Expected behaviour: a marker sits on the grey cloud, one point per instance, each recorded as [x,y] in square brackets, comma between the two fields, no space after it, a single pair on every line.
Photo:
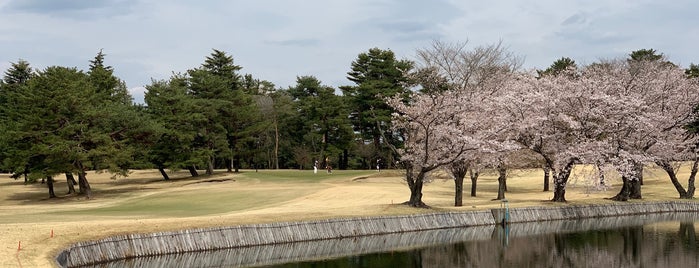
[296,42]
[405,26]
[410,30]
[411,20]
[427,36]
[575,19]
[438,11]
[588,36]
[71,8]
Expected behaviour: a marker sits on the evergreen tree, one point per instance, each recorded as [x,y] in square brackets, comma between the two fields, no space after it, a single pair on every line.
[216,87]
[65,121]
[692,71]
[19,73]
[558,67]
[322,125]
[377,75]
[53,129]
[14,81]
[107,85]
[645,55]
[177,120]
[277,111]
[117,115]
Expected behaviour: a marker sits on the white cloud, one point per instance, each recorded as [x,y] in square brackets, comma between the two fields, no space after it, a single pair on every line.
[138,94]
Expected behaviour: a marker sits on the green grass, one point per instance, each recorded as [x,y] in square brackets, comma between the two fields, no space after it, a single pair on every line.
[196,202]
[303,175]
[189,203]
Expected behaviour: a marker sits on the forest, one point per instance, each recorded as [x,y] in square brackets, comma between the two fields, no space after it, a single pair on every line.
[455,108]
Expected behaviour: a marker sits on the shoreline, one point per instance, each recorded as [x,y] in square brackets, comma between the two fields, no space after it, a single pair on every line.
[202,239]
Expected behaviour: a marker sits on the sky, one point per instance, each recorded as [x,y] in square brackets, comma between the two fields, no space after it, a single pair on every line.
[280,40]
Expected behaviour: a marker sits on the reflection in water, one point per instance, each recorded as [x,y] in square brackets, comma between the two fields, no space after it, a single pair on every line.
[633,241]
[631,246]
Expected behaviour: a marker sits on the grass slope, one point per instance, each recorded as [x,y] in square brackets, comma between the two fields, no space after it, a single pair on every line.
[144,203]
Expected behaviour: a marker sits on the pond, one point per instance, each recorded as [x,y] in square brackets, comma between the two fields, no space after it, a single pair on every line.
[651,240]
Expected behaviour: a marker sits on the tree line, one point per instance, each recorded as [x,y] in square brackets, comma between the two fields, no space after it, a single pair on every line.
[455,108]
[65,121]
[616,115]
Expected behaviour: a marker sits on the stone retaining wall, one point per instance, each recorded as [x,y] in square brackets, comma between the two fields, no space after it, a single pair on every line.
[141,245]
[596,211]
[276,254]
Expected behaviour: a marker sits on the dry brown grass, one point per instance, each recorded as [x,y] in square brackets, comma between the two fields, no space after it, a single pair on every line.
[143,203]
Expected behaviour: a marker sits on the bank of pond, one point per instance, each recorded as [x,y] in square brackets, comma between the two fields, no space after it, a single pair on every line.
[611,234]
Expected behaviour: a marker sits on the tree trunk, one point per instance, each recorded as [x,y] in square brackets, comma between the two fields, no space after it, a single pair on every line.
[416,193]
[70,181]
[692,177]
[600,171]
[458,170]
[502,179]
[163,173]
[459,195]
[559,192]
[415,183]
[635,189]
[667,167]
[236,164]
[276,145]
[625,191]
[193,171]
[84,185]
[229,165]
[345,152]
[340,160]
[547,172]
[474,180]
[82,181]
[636,181]
[210,166]
[49,183]
[560,179]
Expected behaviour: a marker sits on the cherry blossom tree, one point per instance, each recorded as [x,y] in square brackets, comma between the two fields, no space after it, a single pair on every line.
[646,105]
[473,77]
[621,119]
[673,101]
[433,137]
[457,67]
[614,114]
[556,117]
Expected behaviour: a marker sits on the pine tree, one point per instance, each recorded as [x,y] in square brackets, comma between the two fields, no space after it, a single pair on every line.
[107,85]
[18,73]
[377,75]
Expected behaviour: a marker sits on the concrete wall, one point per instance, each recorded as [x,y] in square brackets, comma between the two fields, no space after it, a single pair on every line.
[141,245]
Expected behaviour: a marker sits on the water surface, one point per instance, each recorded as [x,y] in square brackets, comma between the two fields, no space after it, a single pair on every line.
[652,240]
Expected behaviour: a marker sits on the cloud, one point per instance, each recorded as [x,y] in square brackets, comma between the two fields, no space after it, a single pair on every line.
[138,94]
[409,21]
[75,9]
[576,19]
[308,42]
[277,40]
[410,30]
